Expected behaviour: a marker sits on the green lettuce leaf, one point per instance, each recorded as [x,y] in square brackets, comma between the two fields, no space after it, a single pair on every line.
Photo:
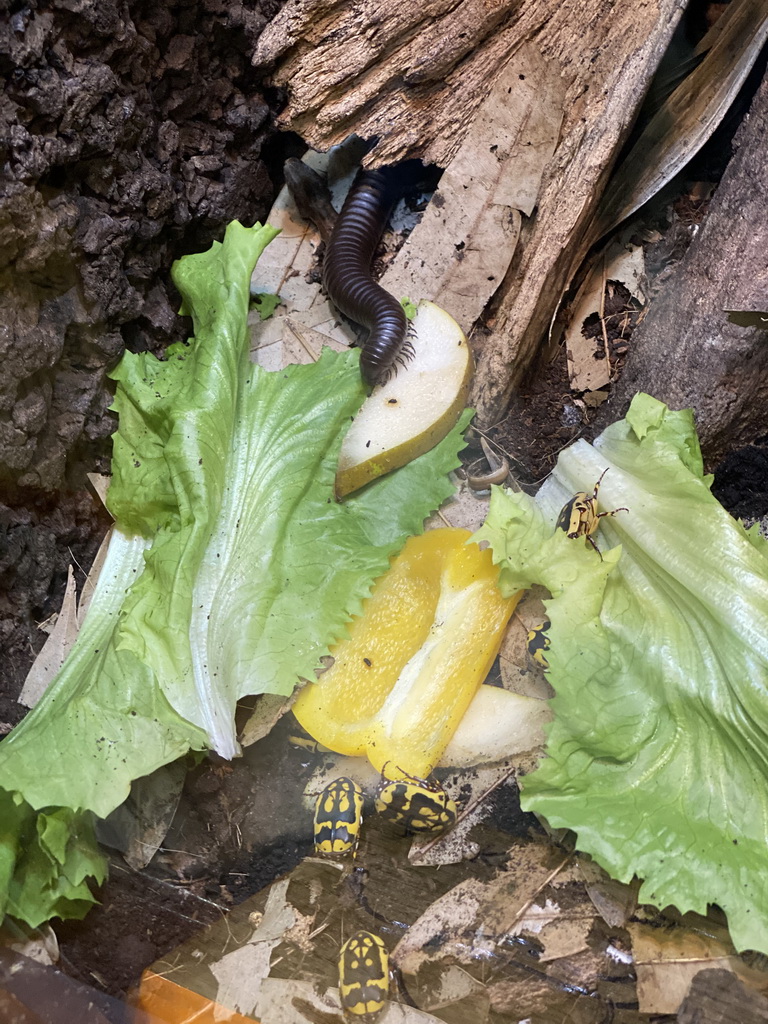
[254,569]
[231,570]
[658,754]
[265,304]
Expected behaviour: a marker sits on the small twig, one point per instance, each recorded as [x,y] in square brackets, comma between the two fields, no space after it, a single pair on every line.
[602,321]
[528,903]
[300,339]
[469,809]
[170,849]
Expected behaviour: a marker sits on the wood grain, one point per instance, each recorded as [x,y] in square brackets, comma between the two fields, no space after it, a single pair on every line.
[414,76]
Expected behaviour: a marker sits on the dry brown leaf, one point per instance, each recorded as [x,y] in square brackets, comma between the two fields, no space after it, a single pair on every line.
[667,961]
[140,824]
[39,944]
[594,399]
[55,649]
[100,483]
[284,269]
[519,672]
[467,921]
[456,986]
[63,628]
[241,972]
[450,924]
[719,997]
[616,262]
[565,936]
[290,1001]
[531,611]
[89,584]
[459,253]
[465,510]
[302,932]
[614,901]
[270,708]
[303,344]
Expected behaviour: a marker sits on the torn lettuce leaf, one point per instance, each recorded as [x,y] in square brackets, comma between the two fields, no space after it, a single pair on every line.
[658,754]
[231,570]
[101,723]
[254,568]
[265,304]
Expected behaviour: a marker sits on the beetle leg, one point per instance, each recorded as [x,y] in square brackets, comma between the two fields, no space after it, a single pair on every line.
[597,485]
[613,513]
[597,549]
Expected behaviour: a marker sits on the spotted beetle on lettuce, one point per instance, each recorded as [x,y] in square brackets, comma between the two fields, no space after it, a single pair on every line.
[579,516]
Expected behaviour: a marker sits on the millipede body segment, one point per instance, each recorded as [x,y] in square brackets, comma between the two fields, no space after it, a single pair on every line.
[347,272]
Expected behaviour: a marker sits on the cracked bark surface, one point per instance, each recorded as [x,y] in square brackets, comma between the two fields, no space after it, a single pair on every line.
[686,352]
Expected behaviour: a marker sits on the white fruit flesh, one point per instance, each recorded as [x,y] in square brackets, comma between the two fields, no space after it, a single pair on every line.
[497,725]
[415,409]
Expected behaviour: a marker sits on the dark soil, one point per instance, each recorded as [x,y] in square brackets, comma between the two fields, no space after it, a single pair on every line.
[139,919]
[131,133]
[741,481]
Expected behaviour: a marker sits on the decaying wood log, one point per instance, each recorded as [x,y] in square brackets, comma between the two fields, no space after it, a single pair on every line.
[687,352]
[414,76]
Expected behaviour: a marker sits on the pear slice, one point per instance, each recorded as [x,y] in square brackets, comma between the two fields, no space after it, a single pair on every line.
[497,725]
[417,406]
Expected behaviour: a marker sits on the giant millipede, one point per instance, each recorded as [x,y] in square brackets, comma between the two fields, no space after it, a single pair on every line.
[347,271]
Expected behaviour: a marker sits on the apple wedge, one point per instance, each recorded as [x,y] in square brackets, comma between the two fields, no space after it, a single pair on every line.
[415,408]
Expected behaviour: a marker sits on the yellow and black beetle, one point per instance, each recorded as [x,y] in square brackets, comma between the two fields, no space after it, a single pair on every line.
[538,643]
[579,516]
[418,805]
[338,815]
[364,976]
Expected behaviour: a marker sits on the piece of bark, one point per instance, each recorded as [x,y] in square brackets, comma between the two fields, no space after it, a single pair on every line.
[410,75]
[690,116]
[686,352]
[415,77]
[719,997]
[460,251]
